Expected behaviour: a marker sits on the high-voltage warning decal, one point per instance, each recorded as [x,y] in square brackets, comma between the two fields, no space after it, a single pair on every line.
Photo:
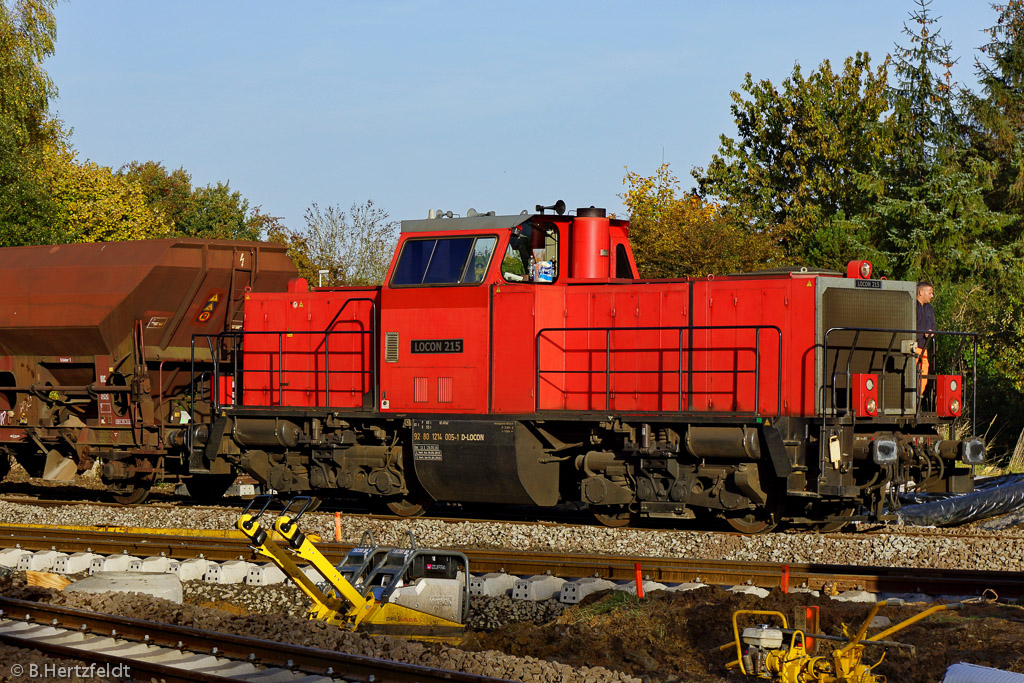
[210,306]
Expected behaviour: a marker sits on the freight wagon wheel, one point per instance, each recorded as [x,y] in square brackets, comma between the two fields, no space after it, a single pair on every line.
[132,495]
[758,522]
[612,515]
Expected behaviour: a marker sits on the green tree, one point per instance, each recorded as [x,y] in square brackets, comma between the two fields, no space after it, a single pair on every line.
[27,211]
[94,204]
[839,165]
[211,212]
[216,212]
[997,113]
[27,33]
[995,150]
[166,191]
[28,30]
[355,247]
[929,217]
[298,250]
[802,153]
[676,234]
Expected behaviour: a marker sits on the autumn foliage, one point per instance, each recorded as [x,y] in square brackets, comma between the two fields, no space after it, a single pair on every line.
[677,234]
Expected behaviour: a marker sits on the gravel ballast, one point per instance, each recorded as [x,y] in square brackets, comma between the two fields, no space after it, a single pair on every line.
[978,548]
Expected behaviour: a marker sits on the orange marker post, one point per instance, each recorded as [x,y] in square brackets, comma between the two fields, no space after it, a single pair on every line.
[639,581]
[784,582]
[813,616]
[337,527]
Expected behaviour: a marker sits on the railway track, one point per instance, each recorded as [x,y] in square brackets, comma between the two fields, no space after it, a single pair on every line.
[452,516]
[138,648]
[231,545]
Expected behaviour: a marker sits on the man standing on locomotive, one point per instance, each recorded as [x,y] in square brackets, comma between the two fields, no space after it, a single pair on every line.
[925,329]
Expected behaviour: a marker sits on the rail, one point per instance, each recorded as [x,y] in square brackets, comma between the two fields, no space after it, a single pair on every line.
[679,372]
[169,652]
[889,355]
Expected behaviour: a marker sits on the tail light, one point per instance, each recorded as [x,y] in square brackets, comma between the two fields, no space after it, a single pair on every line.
[864,394]
[949,395]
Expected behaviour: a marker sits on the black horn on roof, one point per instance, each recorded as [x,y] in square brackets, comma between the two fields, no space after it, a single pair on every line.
[558,207]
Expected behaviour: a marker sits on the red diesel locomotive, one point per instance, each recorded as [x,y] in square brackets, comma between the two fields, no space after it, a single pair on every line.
[519,360]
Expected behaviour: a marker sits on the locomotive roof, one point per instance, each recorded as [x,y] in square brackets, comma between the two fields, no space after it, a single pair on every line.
[468,223]
[787,270]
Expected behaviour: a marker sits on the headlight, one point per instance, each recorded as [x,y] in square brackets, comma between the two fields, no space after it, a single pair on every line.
[870,406]
[865,269]
[954,406]
[869,384]
[886,452]
[952,385]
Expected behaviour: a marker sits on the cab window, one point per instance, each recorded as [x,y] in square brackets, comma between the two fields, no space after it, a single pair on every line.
[443,261]
[623,271]
[532,257]
[480,258]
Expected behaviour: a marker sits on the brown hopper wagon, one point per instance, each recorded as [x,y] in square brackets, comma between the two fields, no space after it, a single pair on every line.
[96,352]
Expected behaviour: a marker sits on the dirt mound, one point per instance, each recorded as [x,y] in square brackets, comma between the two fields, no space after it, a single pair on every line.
[669,637]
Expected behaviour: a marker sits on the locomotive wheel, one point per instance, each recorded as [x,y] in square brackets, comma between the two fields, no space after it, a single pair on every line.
[131,495]
[405,507]
[206,488]
[613,516]
[759,522]
[413,504]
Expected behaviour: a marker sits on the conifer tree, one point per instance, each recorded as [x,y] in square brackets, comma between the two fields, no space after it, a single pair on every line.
[998,111]
[995,152]
[930,218]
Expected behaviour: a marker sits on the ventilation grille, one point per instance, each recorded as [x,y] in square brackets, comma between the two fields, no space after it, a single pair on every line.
[390,347]
[872,352]
[444,389]
[419,389]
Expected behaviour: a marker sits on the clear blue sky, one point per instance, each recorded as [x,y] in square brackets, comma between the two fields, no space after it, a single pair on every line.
[423,104]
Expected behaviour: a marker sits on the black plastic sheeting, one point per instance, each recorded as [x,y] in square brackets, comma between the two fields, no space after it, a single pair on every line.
[991,497]
[962,672]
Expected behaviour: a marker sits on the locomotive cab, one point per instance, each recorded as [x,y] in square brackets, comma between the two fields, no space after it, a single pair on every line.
[593,246]
[443,317]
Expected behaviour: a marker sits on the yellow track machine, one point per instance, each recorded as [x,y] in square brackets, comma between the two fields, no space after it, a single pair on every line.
[410,592]
[781,654]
